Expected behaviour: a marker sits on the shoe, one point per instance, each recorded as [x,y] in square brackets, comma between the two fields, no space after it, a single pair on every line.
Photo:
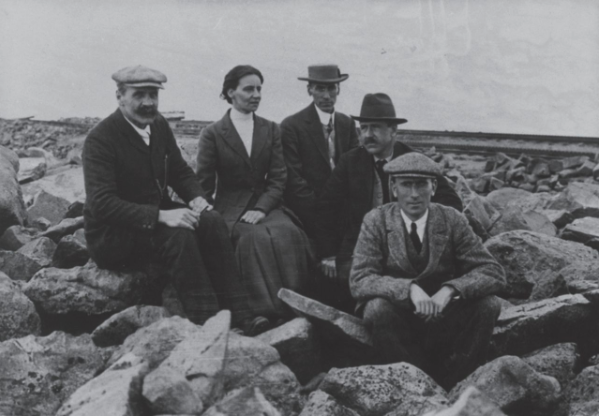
[256,326]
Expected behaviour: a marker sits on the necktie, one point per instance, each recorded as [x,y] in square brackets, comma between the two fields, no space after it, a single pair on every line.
[331,142]
[415,239]
[384,179]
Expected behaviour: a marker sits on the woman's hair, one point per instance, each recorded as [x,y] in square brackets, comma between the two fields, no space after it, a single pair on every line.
[232,79]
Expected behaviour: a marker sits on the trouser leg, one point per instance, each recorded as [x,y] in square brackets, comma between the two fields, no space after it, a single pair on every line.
[396,333]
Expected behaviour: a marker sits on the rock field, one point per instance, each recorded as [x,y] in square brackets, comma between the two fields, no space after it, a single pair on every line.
[79,341]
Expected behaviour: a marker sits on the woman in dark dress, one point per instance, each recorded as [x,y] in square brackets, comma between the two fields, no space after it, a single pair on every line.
[240,164]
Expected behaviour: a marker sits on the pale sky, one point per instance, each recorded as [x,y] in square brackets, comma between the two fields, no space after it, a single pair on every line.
[521,66]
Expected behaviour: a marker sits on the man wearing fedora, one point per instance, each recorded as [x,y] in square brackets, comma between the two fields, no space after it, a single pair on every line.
[130,159]
[357,185]
[313,141]
[423,280]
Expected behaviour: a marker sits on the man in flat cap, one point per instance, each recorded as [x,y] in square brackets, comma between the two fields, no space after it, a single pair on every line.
[423,280]
[130,159]
[313,141]
[357,185]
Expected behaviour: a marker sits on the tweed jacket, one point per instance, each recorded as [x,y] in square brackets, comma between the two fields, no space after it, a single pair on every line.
[307,156]
[457,257]
[125,184]
[235,181]
[348,196]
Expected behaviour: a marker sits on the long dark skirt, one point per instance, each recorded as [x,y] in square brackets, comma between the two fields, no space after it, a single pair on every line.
[272,254]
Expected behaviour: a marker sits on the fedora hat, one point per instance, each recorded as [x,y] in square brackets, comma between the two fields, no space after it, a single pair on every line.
[378,107]
[324,74]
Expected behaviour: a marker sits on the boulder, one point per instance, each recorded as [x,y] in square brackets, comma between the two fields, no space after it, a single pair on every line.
[119,326]
[12,206]
[81,298]
[557,361]
[323,404]
[525,328]
[514,386]
[559,217]
[581,276]
[155,342]
[195,366]
[252,363]
[515,219]
[115,392]
[63,228]
[40,223]
[40,250]
[528,259]
[66,183]
[52,208]
[345,339]
[394,389]
[18,266]
[298,346]
[40,373]
[472,402]
[31,169]
[70,252]
[16,236]
[582,230]
[579,199]
[248,401]
[18,317]
[501,198]
[584,400]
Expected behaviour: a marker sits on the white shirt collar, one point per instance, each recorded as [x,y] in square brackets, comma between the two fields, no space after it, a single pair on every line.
[324,117]
[144,133]
[388,159]
[238,115]
[420,223]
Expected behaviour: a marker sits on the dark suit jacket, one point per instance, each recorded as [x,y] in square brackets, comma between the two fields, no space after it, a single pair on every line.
[381,267]
[306,154]
[347,197]
[125,183]
[244,181]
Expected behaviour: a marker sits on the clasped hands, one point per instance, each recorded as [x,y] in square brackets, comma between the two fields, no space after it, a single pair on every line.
[185,217]
[430,308]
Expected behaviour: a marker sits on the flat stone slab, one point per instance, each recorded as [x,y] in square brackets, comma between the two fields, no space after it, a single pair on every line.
[582,230]
[119,326]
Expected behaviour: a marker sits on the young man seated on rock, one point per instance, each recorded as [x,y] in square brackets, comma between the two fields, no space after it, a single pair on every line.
[129,160]
[423,280]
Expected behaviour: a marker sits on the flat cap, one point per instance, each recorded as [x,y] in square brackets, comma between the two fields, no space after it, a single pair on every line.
[139,76]
[413,165]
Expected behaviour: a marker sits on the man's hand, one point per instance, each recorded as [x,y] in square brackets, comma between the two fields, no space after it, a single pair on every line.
[182,218]
[443,297]
[199,204]
[328,267]
[425,307]
[252,217]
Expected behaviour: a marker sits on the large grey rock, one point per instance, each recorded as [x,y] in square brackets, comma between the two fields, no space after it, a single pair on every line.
[581,276]
[194,370]
[248,401]
[514,386]
[510,198]
[582,230]
[155,342]
[345,339]
[115,392]
[40,250]
[525,328]
[66,183]
[40,373]
[516,219]
[63,228]
[394,389]
[529,260]
[31,169]
[12,206]
[52,208]
[472,402]
[298,346]
[252,363]
[579,199]
[584,396]
[323,404]
[119,326]
[557,361]
[18,317]
[70,252]
[17,265]
[16,236]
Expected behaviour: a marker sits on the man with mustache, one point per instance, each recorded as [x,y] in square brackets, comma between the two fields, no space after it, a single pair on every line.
[357,185]
[313,141]
[130,160]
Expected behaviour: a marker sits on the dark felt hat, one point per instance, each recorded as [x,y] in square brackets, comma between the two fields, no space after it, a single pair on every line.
[324,74]
[139,76]
[378,107]
[413,165]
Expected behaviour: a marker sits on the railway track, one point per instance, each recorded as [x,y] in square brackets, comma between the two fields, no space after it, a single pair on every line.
[546,146]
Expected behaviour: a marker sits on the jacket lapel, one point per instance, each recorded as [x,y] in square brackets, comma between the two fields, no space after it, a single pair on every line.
[437,234]
[159,156]
[232,138]
[316,134]
[259,137]
[396,237]
[131,135]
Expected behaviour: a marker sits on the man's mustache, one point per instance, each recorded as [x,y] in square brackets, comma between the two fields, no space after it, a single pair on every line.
[147,111]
